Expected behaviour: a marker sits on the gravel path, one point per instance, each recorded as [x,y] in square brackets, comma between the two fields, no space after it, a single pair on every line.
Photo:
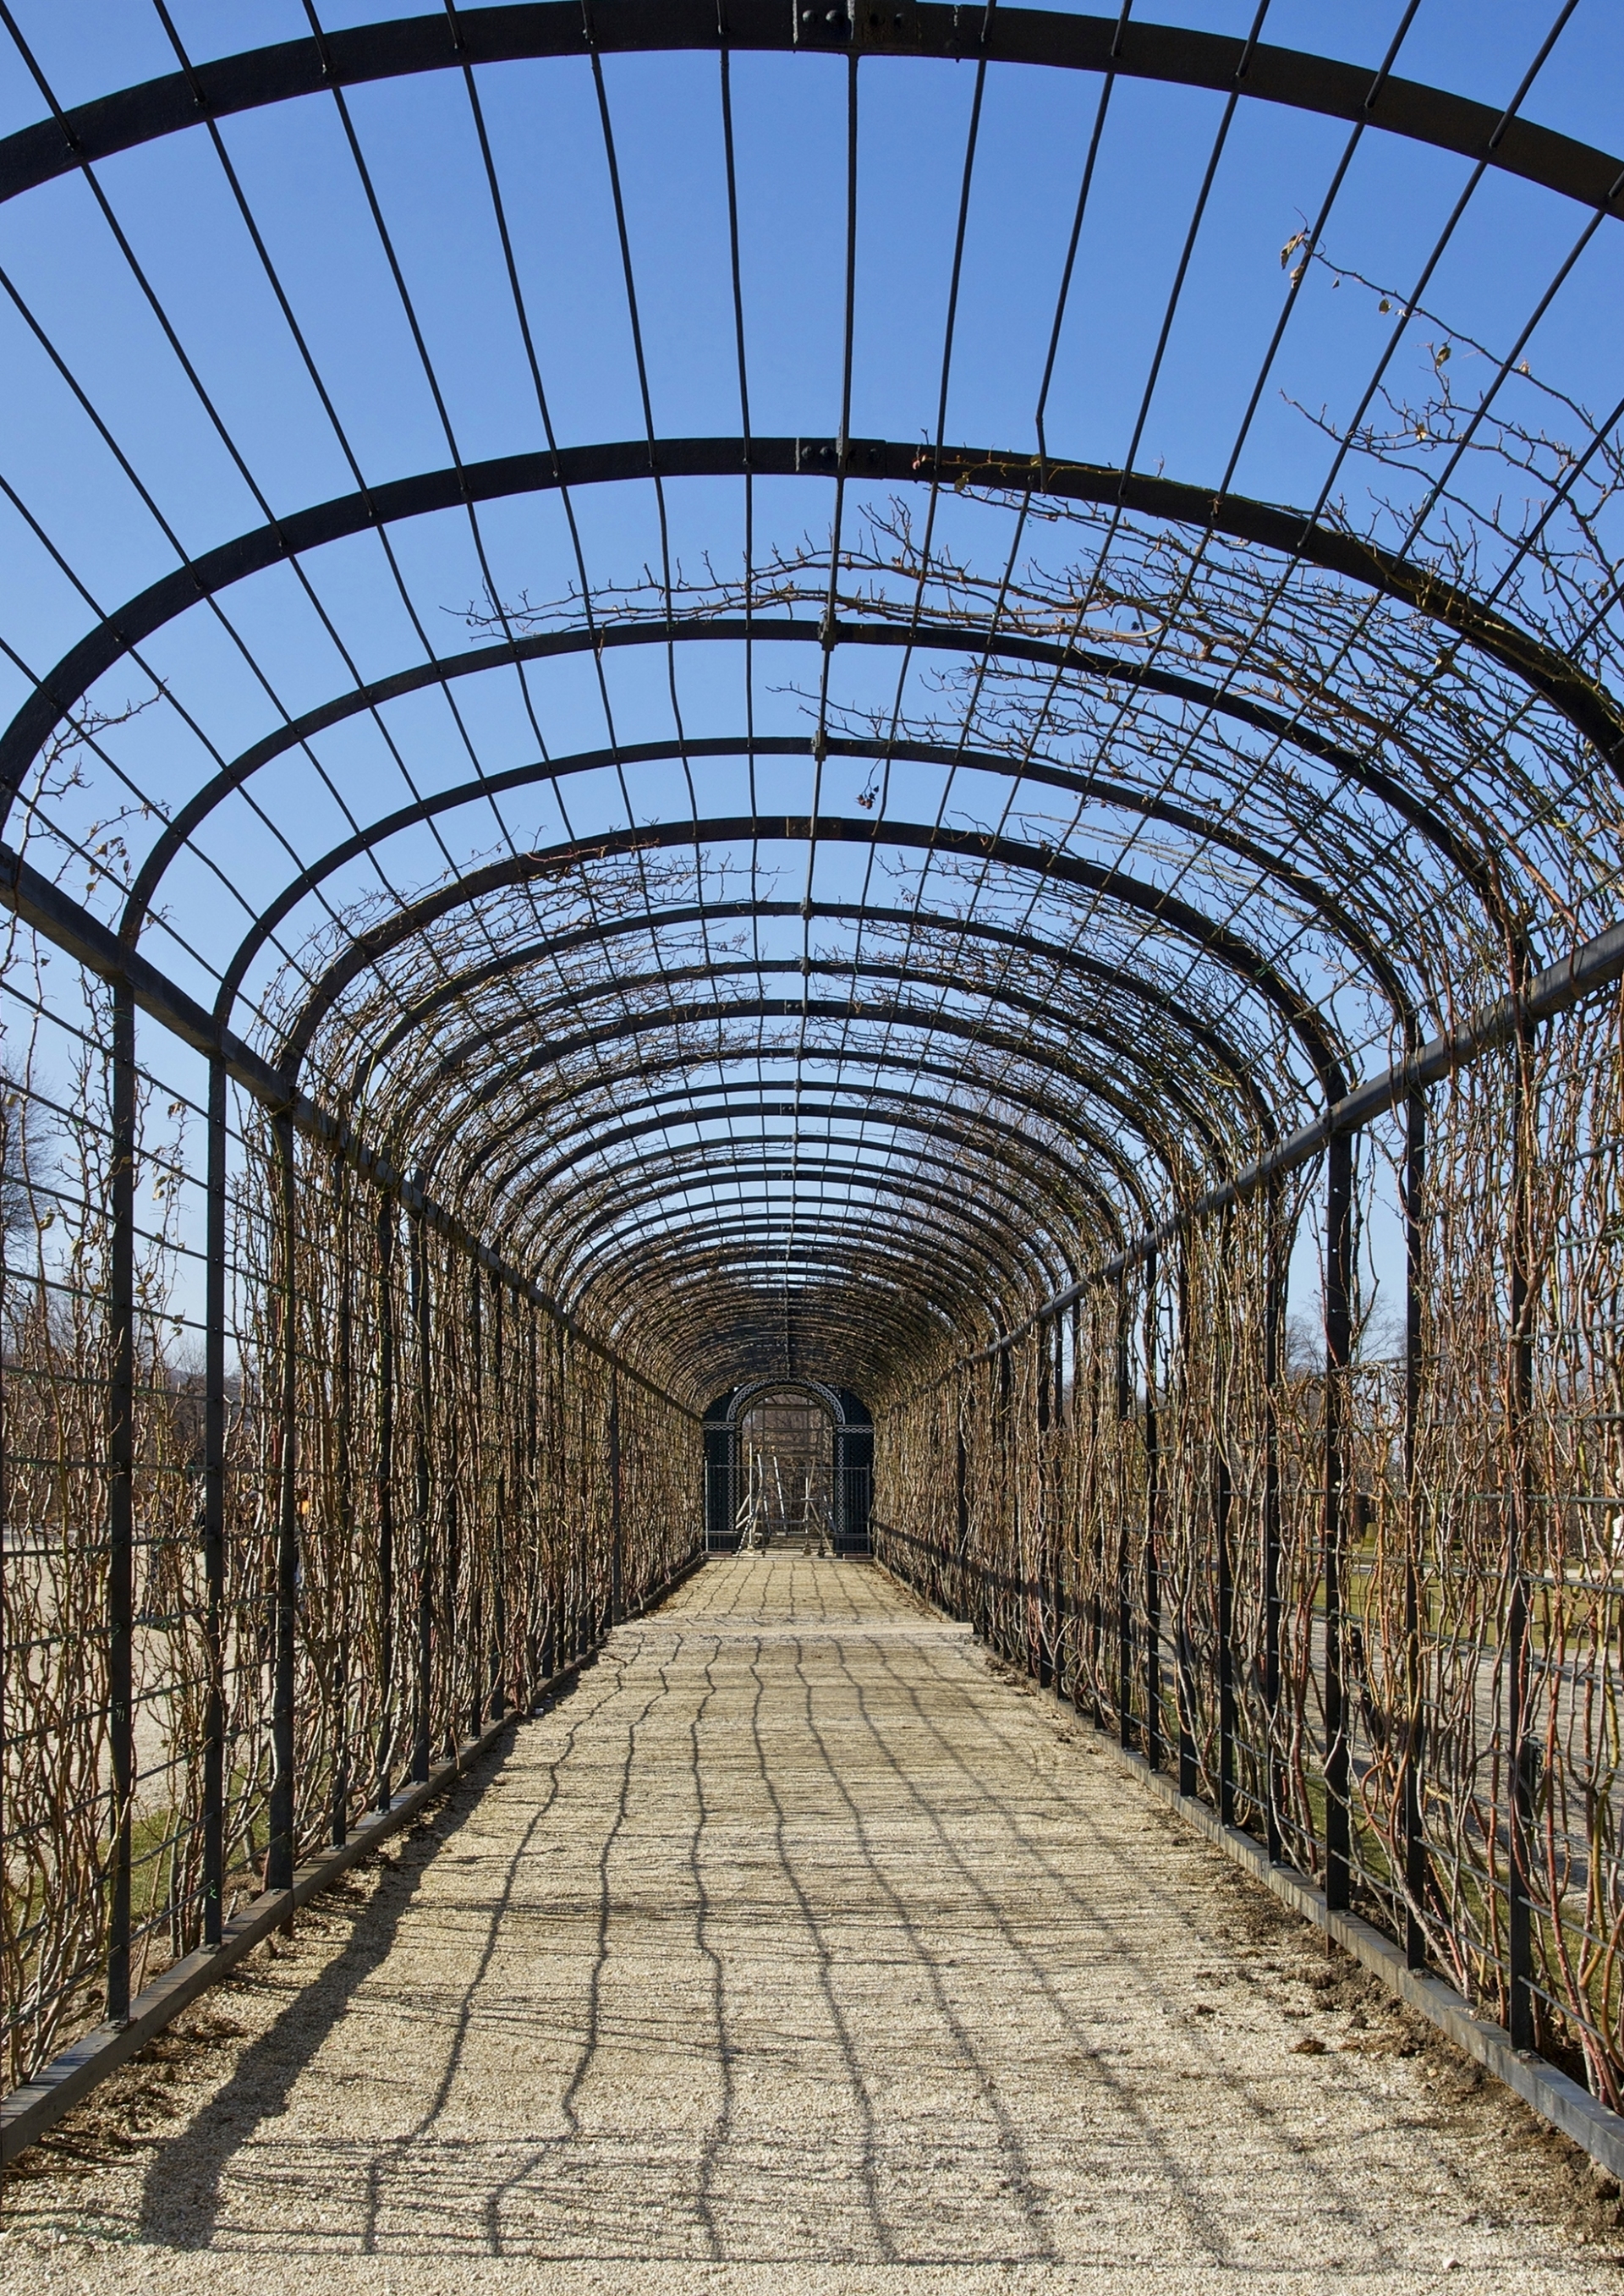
[801,1949]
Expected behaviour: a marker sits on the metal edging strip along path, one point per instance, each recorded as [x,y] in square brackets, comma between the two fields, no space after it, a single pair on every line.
[1550,2092]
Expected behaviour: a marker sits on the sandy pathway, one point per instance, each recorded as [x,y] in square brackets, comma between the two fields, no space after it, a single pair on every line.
[799,1949]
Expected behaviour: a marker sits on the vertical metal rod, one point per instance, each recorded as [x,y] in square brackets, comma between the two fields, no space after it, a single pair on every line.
[424,1686]
[121,1501]
[1007,1636]
[1222,1509]
[1097,1403]
[338,1689]
[1152,1526]
[1077,1511]
[1037,1589]
[1184,1624]
[542,1643]
[498,1621]
[279,1854]
[616,1560]
[214,1512]
[1521,1748]
[1339,1290]
[961,1498]
[570,1594]
[477,1508]
[383,1765]
[1273,1316]
[1222,1496]
[1057,1515]
[1125,1615]
[1417,1881]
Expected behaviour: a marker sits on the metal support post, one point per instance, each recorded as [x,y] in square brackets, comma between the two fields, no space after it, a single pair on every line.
[1153,1509]
[961,1498]
[1222,1505]
[497,1702]
[214,1512]
[1125,1614]
[338,1688]
[383,1765]
[423,1684]
[616,1560]
[279,1853]
[1222,1495]
[1097,1405]
[1339,1290]
[1273,1317]
[1184,1639]
[1417,1880]
[542,1644]
[120,1502]
[477,1509]
[1521,1748]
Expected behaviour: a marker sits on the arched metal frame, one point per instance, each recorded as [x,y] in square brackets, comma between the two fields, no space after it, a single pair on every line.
[478,37]
[1173,1063]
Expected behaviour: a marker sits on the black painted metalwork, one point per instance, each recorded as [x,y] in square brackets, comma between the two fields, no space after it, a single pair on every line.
[1271,862]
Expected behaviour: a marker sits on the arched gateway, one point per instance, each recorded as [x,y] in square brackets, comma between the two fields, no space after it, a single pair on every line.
[790,1457]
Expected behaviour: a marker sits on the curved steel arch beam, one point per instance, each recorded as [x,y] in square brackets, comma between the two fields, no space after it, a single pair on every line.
[771,1156]
[765,629]
[708,1254]
[1165,909]
[1131,1111]
[1144,806]
[1040,1055]
[1006,1248]
[972,1284]
[1592,712]
[725,1354]
[901,1319]
[1158,1147]
[910,1113]
[925,976]
[754,1389]
[1064,959]
[1064,1120]
[397,48]
[701,1310]
[983,1121]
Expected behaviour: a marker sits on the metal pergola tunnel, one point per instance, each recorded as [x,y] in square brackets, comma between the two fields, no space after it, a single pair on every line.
[893,731]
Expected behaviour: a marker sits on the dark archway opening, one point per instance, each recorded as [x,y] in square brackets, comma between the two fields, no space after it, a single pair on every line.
[788,1462]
